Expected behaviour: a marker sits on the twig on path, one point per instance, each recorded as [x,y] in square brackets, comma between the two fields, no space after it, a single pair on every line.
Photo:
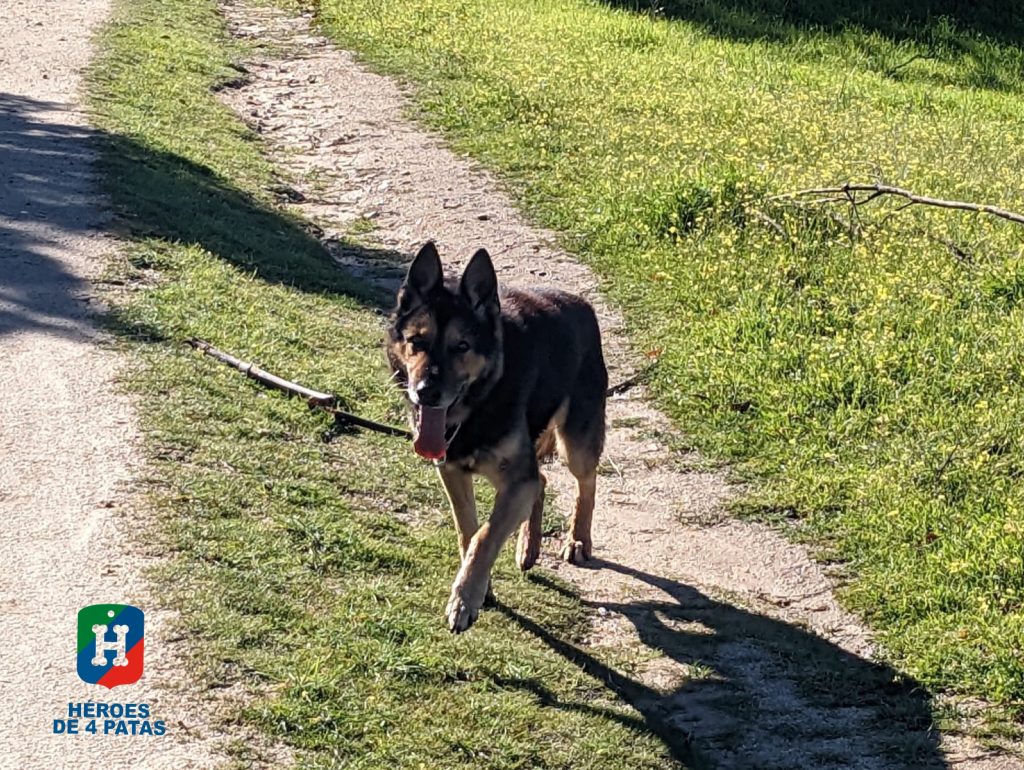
[849,193]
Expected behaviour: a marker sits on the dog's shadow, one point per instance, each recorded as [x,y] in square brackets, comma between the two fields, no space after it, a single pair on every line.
[731,688]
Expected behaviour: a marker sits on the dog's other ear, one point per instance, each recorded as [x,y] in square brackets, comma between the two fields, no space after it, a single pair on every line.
[424,274]
[479,283]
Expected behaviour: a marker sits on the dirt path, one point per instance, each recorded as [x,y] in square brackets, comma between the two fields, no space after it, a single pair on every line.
[66,435]
[743,656]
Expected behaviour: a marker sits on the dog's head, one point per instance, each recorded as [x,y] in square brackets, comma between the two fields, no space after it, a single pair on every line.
[444,338]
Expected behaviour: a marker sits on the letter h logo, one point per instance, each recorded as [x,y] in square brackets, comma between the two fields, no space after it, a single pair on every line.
[119,645]
[110,628]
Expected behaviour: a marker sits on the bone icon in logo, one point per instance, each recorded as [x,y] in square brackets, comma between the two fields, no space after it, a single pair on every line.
[118,645]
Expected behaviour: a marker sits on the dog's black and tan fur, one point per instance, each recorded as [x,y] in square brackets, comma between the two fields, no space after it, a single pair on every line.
[518,373]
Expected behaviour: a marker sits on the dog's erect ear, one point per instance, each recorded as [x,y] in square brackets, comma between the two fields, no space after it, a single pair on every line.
[479,283]
[425,272]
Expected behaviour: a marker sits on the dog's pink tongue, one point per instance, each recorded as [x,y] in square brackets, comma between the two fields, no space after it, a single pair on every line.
[430,426]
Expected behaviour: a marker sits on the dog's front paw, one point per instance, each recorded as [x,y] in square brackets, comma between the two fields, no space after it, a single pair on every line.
[577,551]
[460,613]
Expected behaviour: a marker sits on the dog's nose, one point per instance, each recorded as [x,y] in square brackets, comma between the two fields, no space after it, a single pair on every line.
[428,393]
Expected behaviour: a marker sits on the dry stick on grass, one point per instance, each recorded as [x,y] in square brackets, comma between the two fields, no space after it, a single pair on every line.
[314,398]
[875,190]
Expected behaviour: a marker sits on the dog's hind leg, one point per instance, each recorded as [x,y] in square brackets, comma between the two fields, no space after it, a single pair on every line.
[527,548]
[581,440]
[528,544]
[579,546]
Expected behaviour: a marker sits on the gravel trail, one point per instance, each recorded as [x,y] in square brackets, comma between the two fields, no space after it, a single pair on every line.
[67,436]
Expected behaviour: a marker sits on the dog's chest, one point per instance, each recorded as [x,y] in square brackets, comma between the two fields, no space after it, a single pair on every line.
[499,459]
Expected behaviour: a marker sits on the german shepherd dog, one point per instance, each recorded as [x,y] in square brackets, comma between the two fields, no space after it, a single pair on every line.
[495,380]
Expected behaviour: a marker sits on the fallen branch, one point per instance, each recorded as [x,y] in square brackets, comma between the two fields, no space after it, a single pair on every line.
[850,227]
[345,420]
[250,370]
[314,398]
[876,190]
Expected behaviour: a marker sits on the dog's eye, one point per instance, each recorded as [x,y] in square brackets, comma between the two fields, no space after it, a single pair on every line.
[418,344]
[461,347]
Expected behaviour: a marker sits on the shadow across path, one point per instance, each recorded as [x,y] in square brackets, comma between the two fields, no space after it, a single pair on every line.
[45,212]
[743,690]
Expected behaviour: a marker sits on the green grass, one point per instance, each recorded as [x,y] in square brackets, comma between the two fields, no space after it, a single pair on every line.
[870,376]
[314,573]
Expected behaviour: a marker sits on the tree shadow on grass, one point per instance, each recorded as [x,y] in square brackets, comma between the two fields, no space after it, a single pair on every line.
[48,206]
[897,19]
[742,690]
[162,195]
[981,38]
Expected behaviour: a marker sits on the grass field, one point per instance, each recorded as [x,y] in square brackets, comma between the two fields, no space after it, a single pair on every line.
[295,563]
[866,366]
